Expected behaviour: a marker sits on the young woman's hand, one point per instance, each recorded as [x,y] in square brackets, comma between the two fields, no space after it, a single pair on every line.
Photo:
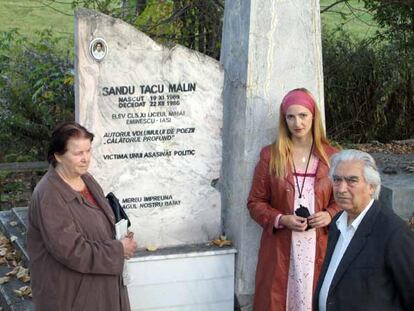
[319,219]
[293,222]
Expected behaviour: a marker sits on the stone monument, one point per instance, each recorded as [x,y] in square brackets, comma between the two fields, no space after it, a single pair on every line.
[156,113]
[269,47]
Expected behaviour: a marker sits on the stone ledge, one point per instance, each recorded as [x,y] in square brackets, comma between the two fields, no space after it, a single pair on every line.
[16,233]
[397,192]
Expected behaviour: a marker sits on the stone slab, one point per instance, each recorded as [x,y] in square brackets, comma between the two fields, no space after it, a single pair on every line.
[9,301]
[16,232]
[22,216]
[156,113]
[8,298]
[193,277]
[397,192]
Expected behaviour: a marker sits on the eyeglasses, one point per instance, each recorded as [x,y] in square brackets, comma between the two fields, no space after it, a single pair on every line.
[351,181]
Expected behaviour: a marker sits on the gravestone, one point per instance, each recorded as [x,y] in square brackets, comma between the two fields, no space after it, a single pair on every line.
[156,113]
[269,47]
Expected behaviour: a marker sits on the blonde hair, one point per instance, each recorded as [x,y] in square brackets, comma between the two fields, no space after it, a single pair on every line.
[281,149]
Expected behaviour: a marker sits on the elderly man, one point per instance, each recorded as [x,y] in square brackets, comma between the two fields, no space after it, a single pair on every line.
[369,263]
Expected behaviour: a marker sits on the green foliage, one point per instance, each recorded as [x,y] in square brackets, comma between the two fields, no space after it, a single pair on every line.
[396,19]
[348,15]
[196,24]
[36,91]
[368,90]
[109,7]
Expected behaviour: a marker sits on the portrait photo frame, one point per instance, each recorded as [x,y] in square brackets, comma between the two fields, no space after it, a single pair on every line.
[98,49]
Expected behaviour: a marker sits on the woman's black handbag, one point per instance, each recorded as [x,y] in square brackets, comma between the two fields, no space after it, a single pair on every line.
[117,208]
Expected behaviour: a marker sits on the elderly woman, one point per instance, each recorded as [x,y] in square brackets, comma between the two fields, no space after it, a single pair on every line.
[75,261]
[291,198]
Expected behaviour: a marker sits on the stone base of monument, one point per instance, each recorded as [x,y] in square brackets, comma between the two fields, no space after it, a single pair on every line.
[398,192]
[191,277]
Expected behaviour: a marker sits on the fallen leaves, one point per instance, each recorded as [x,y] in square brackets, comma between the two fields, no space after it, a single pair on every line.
[151,248]
[396,147]
[10,257]
[392,158]
[23,291]
[4,279]
[222,241]
[20,273]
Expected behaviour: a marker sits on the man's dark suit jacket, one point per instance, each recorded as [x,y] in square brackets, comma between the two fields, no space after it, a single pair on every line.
[376,271]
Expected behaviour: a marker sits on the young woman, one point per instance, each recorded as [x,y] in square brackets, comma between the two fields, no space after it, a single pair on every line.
[290,183]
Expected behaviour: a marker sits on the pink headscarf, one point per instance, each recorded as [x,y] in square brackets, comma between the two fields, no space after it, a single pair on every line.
[297,97]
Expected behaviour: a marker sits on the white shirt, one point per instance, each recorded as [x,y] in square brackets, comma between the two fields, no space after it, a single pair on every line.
[345,237]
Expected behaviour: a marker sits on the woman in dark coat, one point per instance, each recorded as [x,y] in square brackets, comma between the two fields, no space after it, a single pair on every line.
[75,261]
[292,176]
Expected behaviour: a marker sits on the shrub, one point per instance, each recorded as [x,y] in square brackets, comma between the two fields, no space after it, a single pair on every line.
[36,92]
[368,90]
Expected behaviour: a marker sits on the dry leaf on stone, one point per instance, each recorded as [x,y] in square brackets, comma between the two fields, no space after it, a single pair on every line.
[221,243]
[3,240]
[4,279]
[13,256]
[151,248]
[23,274]
[23,291]
[13,272]
[3,251]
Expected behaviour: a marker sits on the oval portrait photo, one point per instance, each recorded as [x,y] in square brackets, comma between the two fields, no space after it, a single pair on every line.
[98,49]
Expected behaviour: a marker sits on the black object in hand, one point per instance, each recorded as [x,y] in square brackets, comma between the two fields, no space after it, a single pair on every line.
[119,212]
[303,211]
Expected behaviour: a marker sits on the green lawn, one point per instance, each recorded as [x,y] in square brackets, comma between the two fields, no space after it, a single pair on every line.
[29,16]
[355,20]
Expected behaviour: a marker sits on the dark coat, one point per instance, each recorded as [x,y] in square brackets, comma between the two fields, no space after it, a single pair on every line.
[269,197]
[377,269]
[75,262]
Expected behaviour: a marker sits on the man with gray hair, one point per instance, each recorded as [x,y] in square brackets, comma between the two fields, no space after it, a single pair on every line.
[369,263]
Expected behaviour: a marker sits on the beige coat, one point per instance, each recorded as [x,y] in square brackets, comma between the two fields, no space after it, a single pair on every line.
[75,262]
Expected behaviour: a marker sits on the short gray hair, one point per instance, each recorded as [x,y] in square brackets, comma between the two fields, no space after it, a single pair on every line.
[371,174]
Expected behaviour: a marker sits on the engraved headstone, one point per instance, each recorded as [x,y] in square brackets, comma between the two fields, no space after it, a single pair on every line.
[156,113]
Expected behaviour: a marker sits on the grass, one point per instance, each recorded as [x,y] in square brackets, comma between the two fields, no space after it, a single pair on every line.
[353,19]
[30,16]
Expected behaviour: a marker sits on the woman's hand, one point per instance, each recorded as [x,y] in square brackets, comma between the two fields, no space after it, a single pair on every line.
[319,219]
[130,246]
[293,222]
